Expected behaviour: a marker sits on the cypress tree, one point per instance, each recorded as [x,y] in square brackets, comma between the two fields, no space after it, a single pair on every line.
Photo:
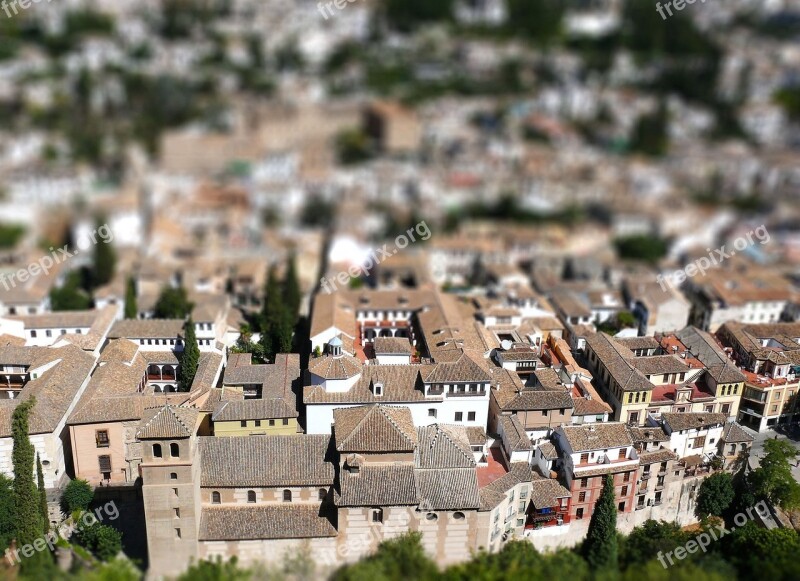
[291,289]
[131,307]
[271,316]
[190,357]
[600,546]
[105,260]
[42,496]
[27,515]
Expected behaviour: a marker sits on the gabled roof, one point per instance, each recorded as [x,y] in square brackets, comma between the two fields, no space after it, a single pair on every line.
[167,422]
[690,421]
[463,369]
[443,446]
[375,428]
[239,523]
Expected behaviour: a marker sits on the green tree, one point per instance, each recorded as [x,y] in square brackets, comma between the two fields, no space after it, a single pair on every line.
[292,294]
[715,495]
[277,321]
[773,479]
[70,296]
[77,495]
[600,546]
[173,303]
[7,527]
[647,540]
[352,147]
[651,133]
[105,258]
[540,21]
[131,307]
[103,541]
[645,248]
[42,496]
[400,558]
[27,517]
[217,570]
[190,358]
[406,15]
[759,553]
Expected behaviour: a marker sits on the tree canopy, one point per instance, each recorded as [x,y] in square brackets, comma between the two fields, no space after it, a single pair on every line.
[715,495]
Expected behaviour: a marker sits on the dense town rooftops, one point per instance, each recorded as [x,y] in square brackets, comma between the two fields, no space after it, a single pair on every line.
[335,367]
[391,346]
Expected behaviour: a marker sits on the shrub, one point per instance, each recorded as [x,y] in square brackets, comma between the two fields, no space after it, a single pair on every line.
[77,495]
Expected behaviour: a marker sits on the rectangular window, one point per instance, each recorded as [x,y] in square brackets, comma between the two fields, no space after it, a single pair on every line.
[584,482]
[579,514]
[624,491]
[258,423]
[471,416]
[272,423]
[243,423]
[285,421]
[431,413]
[105,463]
[177,533]
[101,437]
[585,458]
[177,513]
[622,454]
[621,507]
[582,497]
[459,416]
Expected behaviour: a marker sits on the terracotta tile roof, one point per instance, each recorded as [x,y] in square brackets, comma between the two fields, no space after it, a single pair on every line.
[619,360]
[392,346]
[447,488]
[648,434]
[733,432]
[401,384]
[167,422]
[147,328]
[297,460]
[379,485]
[476,435]
[375,428]
[252,409]
[464,369]
[657,456]
[590,407]
[55,389]
[443,446]
[597,436]
[660,365]
[548,451]
[330,367]
[218,523]
[689,421]
[518,440]
[547,493]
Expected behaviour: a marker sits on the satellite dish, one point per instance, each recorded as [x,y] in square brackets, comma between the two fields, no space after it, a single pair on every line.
[506,345]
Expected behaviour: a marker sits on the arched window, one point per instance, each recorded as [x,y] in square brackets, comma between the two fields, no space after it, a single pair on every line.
[156,450]
[458,515]
[215,497]
[287,495]
[173,475]
[322,493]
[174,450]
[251,496]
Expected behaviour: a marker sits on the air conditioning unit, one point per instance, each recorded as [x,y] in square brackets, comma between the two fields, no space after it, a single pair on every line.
[559,521]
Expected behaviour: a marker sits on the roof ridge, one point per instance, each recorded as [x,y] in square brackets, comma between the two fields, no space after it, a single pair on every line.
[391,421]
